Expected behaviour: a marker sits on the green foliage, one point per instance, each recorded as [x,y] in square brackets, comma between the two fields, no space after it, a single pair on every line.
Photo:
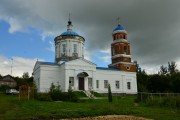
[25,75]
[72,96]
[3,88]
[167,80]
[43,97]
[55,92]
[172,67]
[12,108]
[33,92]
[171,101]
[96,94]
[109,93]
[163,70]
[80,94]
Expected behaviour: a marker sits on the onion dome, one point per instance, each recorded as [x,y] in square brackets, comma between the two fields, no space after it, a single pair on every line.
[118,29]
[69,33]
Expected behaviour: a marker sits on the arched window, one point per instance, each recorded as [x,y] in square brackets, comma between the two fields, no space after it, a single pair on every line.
[113,51]
[124,36]
[125,50]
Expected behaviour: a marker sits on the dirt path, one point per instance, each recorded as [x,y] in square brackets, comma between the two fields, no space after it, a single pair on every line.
[111,117]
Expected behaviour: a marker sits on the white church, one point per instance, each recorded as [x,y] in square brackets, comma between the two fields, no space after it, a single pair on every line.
[71,69]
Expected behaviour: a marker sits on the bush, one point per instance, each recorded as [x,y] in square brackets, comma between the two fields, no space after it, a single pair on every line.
[72,96]
[55,92]
[3,88]
[44,97]
[96,94]
[80,93]
[171,101]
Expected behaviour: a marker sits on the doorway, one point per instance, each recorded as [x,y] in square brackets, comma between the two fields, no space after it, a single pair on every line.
[81,83]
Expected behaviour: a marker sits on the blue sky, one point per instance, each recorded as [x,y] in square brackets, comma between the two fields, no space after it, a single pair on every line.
[28,29]
[30,44]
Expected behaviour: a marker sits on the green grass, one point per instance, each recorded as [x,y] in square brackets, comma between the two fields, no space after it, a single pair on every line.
[12,108]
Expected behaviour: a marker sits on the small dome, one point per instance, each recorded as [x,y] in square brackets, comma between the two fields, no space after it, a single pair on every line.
[70,33]
[119,27]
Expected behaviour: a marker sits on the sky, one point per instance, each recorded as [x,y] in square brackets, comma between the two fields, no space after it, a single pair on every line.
[28,29]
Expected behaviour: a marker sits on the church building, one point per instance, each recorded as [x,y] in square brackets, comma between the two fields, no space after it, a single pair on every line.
[71,69]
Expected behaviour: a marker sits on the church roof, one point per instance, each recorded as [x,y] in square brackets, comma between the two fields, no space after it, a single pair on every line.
[104,68]
[69,33]
[119,27]
[47,63]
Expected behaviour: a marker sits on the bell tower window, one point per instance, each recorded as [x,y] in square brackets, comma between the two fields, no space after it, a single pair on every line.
[125,50]
[124,36]
[113,51]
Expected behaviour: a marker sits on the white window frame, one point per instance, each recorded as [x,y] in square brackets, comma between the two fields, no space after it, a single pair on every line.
[90,83]
[117,83]
[75,48]
[64,48]
[105,83]
[97,83]
[128,85]
[71,81]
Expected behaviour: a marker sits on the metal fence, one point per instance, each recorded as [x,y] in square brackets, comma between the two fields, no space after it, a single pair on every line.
[143,96]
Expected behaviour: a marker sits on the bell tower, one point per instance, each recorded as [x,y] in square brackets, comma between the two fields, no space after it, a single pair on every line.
[120,51]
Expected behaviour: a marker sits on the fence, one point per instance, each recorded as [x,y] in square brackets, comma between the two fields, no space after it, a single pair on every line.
[143,96]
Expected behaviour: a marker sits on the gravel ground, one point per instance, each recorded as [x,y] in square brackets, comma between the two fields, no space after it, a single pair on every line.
[111,117]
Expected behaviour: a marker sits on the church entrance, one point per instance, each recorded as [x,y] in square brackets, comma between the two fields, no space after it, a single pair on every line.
[81,83]
[81,77]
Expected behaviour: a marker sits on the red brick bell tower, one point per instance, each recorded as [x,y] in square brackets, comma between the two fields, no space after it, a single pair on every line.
[120,51]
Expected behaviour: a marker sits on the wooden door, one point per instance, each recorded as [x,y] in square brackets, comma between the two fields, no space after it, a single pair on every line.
[81,83]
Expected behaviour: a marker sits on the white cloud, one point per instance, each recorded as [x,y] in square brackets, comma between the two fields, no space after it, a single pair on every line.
[15,25]
[106,59]
[19,65]
[51,48]
[108,51]
[87,54]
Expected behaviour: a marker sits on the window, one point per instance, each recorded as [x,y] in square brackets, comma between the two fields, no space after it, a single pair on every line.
[128,85]
[71,81]
[75,48]
[97,83]
[124,36]
[64,48]
[89,83]
[127,67]
[113,51]
[125,50]
[105,83]
[117,84]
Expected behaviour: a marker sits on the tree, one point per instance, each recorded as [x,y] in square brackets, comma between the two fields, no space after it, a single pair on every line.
[0,76]
[25,75]
[142,78]
[172,67]
[109,93]
[163,70]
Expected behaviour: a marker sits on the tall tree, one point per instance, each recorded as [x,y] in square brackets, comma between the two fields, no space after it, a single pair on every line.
[109,93]
[25,75]
[172,67]
[163,70]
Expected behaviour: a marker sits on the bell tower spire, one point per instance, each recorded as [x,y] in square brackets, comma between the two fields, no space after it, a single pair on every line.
[120,50]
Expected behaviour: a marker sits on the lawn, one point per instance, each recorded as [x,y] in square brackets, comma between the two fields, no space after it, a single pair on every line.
[12,108]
